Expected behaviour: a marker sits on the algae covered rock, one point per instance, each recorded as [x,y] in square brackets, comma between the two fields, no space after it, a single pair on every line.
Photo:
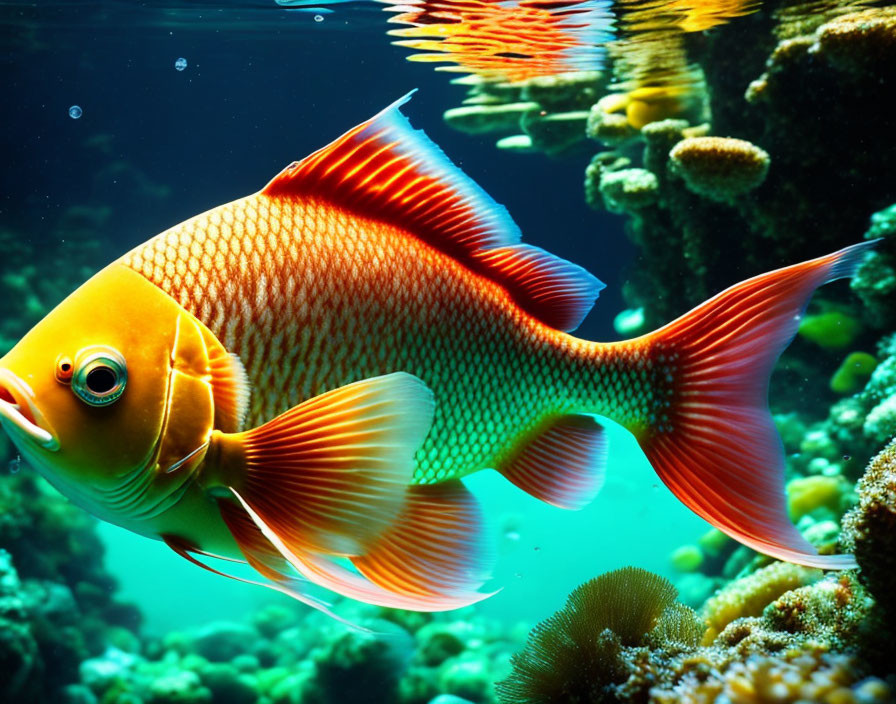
[869,530]
[719,168]
[627,190]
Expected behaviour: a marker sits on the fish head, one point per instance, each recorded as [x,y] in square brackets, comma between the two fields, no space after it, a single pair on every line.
[90,395]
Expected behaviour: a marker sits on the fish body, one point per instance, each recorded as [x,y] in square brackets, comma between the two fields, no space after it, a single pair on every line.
[301,379]
[312,297]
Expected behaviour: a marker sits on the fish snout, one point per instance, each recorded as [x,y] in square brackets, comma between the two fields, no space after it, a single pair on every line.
[19,414]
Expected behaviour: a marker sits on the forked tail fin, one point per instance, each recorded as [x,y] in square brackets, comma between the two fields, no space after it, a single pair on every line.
[717,448]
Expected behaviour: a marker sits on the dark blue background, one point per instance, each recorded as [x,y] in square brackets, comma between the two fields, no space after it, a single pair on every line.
[264,86]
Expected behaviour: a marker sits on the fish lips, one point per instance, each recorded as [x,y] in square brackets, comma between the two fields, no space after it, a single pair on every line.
[20,416]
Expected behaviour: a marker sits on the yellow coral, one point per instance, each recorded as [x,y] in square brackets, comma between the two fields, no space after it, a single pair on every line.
[751,594]
[807,674]
[859,40]
[806,494]
[719,167]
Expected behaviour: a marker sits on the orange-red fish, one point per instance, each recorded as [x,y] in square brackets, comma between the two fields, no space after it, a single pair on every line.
[301,379]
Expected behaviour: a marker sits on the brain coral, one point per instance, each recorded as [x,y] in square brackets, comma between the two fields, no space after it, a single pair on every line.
[719,168]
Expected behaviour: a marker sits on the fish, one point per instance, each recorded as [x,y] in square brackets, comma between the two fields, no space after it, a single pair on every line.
[301,379]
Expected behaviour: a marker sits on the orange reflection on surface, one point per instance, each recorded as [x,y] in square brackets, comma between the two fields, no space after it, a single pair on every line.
[505,41]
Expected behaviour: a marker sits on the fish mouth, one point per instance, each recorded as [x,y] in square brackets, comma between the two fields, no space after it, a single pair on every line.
[17,409]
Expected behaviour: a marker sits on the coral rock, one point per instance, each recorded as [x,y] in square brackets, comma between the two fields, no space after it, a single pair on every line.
[869,530]
[719,168]
[750,595]
[628,190]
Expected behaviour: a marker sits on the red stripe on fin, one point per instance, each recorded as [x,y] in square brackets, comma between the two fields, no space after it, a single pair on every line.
[385,169]
[436,547]
[330,474]
[718,449]
[563,463]
[324,571]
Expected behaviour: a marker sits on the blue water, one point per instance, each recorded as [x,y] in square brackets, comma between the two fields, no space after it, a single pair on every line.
[156,143]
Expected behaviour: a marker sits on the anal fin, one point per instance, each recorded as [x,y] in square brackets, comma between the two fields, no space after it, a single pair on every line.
[325,571]
[436,546]
[563,463]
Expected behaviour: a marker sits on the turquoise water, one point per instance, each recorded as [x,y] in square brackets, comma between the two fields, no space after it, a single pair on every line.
[543,552]
[123,119]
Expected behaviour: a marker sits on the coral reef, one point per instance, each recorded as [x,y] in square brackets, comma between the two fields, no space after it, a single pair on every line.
[785,643]
[795,676]
[56,603]
[286,657]
[583,653]
[749,596]
[870,530]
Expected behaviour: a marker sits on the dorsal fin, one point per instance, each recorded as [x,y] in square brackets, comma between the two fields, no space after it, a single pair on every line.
[387,170]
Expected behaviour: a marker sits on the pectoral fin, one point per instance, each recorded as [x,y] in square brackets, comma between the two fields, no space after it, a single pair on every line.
[330,479]
[331,474]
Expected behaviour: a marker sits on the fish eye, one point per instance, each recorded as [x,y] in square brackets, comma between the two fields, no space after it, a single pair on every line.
[64,369]
[100,376]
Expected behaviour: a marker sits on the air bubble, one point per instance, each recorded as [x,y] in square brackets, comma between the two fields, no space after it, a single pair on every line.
[75,112]
[318,18]
[15,465]
[180,64]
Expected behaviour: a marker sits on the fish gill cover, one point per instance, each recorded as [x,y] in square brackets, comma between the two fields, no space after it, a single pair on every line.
[725,140]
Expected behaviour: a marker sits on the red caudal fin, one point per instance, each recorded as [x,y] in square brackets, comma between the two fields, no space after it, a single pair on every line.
[715,446]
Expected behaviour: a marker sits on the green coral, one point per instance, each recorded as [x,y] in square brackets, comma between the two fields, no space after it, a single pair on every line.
[853,373]
[833,329]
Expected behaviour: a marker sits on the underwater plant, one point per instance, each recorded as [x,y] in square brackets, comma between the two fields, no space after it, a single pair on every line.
[582,654]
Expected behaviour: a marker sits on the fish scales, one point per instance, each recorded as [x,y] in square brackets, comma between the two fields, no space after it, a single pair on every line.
[312,297]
